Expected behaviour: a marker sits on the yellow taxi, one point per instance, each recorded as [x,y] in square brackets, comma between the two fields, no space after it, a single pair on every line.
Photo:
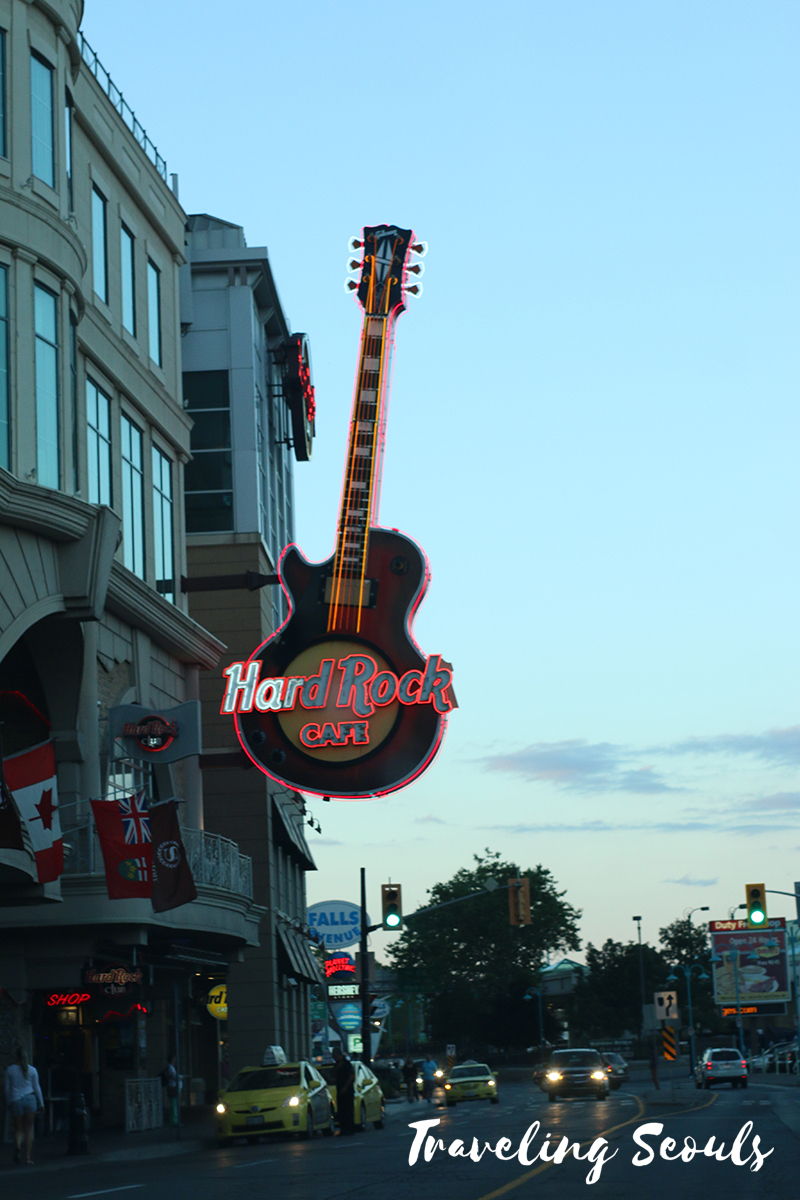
[368,1102]
[470,1081]
[278,1098]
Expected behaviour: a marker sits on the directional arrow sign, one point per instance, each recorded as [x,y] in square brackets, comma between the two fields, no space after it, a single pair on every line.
[666,1005]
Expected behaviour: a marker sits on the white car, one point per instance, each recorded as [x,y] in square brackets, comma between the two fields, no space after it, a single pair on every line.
[721,1066]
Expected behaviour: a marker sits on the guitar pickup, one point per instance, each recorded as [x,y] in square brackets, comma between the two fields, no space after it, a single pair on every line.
[348,592]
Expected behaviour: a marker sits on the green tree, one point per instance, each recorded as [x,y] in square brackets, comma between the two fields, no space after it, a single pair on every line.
[473,966]
[684,944]
[607,1002]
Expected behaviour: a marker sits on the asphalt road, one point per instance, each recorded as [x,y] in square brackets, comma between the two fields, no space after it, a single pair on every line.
[376,1164]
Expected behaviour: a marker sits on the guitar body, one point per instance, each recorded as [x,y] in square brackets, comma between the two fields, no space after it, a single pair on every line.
[407,735]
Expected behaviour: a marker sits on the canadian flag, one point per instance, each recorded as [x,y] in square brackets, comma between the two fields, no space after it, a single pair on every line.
[31,778]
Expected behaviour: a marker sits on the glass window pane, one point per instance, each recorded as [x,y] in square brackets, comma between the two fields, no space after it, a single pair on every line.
[209,472]
[42,121]
[3,147]
[98,445]
[132,498]
[154,311]
[46,366]
[5,447]
[206,389]
[128,282]
[212,430]
[209,512]
[100,270]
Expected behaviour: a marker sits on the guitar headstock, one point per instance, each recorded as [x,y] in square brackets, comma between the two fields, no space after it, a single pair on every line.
[383,281]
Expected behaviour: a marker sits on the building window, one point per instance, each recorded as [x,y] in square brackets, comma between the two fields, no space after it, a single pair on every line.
[208,478]
[3,135]
[132,498]
[162,518]
[154,310]
[99,245]
[73,397]
[5,428]
[128,281]
[68,148]
[42,149]
[98,444]
[45,321]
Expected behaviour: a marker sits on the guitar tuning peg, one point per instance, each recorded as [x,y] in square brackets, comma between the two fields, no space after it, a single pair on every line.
[354,265]
[417,268]
[420,248]
[354,243]
[350,285]
[415,289]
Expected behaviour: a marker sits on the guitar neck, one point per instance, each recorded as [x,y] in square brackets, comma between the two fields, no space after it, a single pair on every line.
[361,489]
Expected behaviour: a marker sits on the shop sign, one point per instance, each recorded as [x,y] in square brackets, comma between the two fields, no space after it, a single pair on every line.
[163,735]
[114,981]
[339,964]
[217,1003]
[336,923]
[755,958]
[340,701]
[67,999]
[348,1017]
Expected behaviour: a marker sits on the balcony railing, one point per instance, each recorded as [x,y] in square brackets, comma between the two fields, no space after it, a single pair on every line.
[121,105]
[215,861]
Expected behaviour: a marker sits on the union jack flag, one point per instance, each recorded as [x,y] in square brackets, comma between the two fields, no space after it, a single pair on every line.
[135,821]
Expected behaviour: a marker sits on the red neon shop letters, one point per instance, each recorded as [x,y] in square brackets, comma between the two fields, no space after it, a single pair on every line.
[359,688]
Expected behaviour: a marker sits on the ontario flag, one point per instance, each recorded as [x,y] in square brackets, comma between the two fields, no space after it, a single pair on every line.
[31,779]
[123,827]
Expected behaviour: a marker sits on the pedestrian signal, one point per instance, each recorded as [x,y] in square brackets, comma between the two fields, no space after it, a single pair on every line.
[756,896]
[391,906]
[519,901]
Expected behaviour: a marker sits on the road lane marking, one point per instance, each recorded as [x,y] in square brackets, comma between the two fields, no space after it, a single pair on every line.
[104,1191]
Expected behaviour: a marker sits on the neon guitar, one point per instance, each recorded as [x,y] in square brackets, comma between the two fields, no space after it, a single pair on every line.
[340,701]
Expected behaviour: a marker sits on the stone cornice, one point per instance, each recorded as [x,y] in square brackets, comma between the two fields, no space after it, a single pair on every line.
[42,510]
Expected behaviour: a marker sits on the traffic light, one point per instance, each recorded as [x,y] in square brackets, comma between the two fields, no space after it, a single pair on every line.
[392,906]
[519,901]
[756,896]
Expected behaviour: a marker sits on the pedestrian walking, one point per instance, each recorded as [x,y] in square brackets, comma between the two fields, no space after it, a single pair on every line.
[344,1077]
[24,1100]
[410,1079]
[169,1077]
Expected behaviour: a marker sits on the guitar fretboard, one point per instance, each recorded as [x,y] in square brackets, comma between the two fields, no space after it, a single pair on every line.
[348,591]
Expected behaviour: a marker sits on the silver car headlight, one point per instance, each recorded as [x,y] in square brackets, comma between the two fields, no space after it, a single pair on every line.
[291,1102]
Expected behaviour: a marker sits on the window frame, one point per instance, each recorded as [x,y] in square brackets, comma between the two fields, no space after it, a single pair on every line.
[95,437]
[100,243]
[41,340]
[163,518]
[50,179]
[5,392]
[130,260]
[133,546]
[3,106]
[154,336]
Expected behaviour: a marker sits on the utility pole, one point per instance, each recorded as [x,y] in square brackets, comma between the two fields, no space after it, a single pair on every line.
[638,921]
[366,1024]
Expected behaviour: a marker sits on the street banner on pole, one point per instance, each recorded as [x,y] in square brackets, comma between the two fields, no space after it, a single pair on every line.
[173,884]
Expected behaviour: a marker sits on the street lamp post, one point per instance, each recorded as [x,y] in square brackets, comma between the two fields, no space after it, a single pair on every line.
[687,975]
[638,921]
[687,912]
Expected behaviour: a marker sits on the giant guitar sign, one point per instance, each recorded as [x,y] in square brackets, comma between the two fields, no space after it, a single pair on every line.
[340,701]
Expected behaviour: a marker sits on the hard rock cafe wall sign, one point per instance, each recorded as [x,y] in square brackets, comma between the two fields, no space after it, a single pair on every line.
[341,701]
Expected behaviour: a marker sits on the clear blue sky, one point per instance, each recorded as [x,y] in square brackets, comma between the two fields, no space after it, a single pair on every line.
[594,423]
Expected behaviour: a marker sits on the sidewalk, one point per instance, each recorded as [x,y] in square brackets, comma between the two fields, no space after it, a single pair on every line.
[113,1145]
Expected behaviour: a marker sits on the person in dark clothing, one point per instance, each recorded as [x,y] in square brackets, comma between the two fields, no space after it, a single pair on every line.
[410,1079]
[344,1076]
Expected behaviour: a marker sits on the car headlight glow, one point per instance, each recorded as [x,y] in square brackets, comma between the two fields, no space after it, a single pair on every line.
[491,1083]
[291,1102]
[439,1073]
[221,1108]
[598,1075]
[553,1075]
[419,1079]
[447,1087]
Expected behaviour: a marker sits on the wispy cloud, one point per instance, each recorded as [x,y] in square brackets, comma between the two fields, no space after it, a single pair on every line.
[429,820]
[748,829]
[690,881]
[581,766]
[779,747]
